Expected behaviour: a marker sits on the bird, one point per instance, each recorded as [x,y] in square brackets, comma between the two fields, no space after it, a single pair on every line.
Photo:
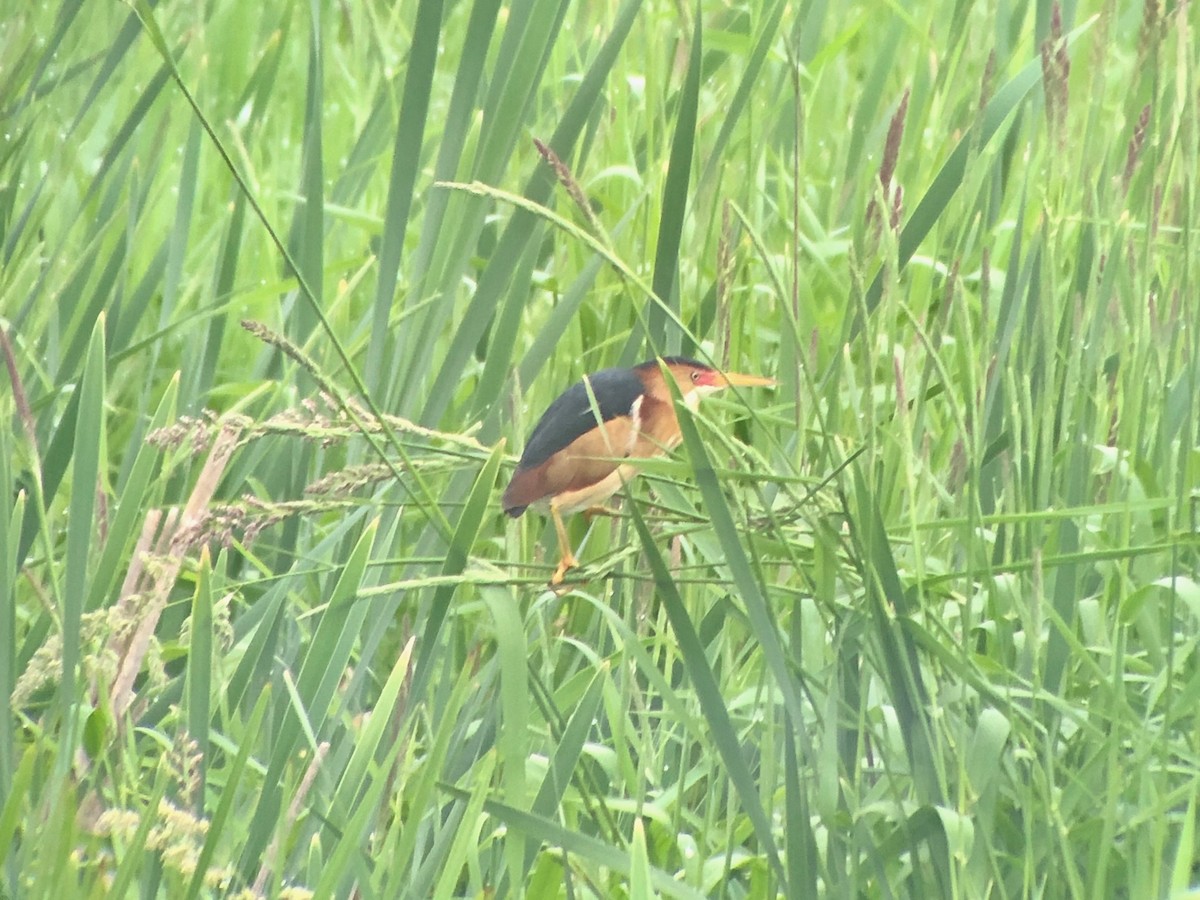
[574,458]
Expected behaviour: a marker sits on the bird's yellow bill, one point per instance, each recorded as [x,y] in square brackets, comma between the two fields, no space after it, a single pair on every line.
[738,380]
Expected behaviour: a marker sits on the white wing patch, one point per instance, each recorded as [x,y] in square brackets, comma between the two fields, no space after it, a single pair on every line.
[635,415]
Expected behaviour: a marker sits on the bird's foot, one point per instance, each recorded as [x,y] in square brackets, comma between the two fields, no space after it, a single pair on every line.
[593,511]
[565,565]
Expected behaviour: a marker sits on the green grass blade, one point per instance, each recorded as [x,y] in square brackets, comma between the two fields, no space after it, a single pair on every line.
[1181,870]
[12,512]
[416,485]
[903,674]
[708,693]
[133,861]
[564,314]
[200,665]
[465,535]
[464,846]
[420,796]
[229,794]
[640,876]
[529,35]
[203,357]
[749,589]
[513,746]
[871,97]
[324,663]
[520,230]
[406,163]
[357,770]
[87,466]
[308,227]
[116,51]
[674,203]
[132,502]
[800,846]
[18,797]
[582,845]
[564,760]
[763,43]
[806,30]
[456,130]
[176,241]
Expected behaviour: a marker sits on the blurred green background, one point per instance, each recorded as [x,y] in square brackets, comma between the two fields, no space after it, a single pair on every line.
[285,286]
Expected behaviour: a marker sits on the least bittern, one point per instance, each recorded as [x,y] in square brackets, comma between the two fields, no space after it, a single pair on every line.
[573,459]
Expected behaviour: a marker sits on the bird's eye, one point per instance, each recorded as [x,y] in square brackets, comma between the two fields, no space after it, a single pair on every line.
[695,375]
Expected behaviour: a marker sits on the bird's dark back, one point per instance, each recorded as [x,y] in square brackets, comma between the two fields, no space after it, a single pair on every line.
[572,414]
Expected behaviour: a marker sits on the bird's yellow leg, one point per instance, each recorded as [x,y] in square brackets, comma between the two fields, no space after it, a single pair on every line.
[567,560]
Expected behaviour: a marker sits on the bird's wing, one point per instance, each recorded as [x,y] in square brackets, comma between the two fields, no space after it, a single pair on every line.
[572,414]
[582,464]
[569,449]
